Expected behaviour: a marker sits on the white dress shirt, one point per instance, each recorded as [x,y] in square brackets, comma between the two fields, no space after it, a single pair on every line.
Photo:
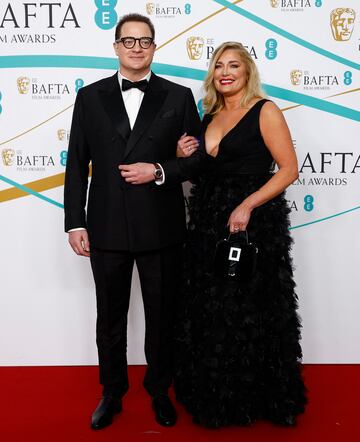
[132,98]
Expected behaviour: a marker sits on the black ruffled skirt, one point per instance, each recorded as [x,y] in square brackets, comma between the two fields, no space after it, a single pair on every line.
[237,345]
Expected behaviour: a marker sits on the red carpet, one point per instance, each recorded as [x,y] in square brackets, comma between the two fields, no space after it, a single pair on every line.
[53,404]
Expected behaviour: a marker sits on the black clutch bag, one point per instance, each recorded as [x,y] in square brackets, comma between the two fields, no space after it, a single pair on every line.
[235,258]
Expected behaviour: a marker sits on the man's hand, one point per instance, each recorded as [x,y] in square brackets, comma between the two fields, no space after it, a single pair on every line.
[79,241]
[137,173]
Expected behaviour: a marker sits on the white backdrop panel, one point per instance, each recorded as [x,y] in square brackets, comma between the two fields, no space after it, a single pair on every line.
[309,66]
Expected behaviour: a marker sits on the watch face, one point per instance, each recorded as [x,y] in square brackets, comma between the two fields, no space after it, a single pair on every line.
[158,173]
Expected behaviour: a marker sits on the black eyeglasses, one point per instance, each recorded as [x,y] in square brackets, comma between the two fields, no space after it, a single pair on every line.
[129,42]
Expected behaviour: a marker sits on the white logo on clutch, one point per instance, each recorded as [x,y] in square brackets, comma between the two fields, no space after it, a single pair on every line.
[234,254]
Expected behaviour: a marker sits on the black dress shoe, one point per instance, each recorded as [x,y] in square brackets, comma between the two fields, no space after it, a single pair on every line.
[165,413]
[104,412]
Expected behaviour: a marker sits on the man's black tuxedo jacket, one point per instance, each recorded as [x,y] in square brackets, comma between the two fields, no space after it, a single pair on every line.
[122,216]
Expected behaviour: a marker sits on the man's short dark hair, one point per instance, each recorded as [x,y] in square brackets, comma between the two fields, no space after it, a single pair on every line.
[134,17]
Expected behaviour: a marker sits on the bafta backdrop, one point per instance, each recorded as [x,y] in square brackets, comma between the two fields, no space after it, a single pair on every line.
[307,52]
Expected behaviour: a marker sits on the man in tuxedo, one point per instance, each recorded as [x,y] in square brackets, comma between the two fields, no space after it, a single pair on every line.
[127,126]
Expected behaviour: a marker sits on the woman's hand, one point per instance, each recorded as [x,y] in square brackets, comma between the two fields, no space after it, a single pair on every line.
[239,218]
[186,146]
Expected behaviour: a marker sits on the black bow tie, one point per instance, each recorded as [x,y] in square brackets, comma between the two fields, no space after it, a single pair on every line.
[126,85]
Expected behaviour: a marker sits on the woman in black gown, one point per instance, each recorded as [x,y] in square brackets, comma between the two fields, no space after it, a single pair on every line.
[238,351]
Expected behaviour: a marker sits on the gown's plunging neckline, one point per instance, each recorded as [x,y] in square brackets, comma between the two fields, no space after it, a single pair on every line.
[229,131]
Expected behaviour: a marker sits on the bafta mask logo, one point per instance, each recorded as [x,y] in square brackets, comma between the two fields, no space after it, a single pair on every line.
[342,23]
[295,77]
[195,46]
[61,133]
[23,84]
[274,3]
[8,156]
[150,8]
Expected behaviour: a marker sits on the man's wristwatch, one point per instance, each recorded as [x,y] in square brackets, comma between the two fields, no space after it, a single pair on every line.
[158,173]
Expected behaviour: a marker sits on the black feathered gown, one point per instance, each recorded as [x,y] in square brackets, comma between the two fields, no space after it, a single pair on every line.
[237,345]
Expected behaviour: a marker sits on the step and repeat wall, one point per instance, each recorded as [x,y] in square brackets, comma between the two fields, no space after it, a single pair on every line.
[307,52]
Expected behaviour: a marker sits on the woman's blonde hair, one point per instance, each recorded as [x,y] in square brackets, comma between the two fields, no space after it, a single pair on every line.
[213,100]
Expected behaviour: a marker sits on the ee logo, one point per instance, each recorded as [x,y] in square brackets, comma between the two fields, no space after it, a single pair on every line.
[105,16]
[63,157]
[187,8]
[79,83]
[347,78]
[271,52]
[309,203]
